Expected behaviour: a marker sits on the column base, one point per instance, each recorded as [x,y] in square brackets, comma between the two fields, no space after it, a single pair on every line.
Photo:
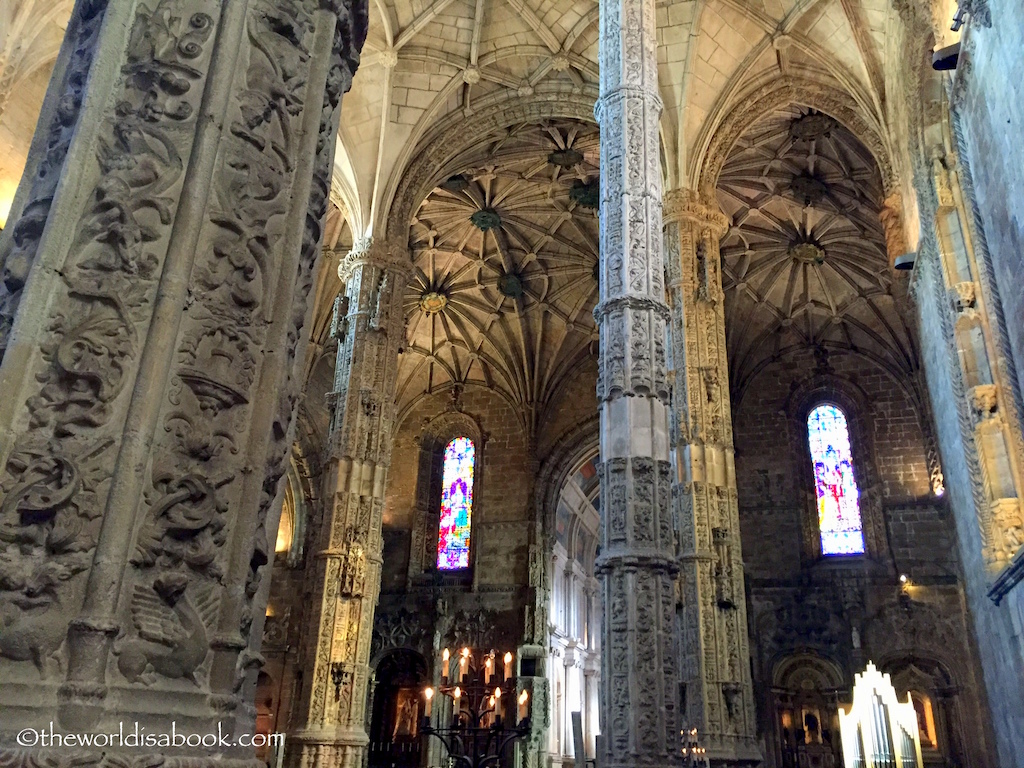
[740,754]
[57,722]
[327,748]
[108,758]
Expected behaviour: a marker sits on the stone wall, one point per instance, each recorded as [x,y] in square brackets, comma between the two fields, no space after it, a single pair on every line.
[996,632]
[502,493]
[770,454]
[846,611]
[993,120]
[486,604]
[575,403]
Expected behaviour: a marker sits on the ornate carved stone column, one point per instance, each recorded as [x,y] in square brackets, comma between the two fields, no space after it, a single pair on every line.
[151,311]
[715,669]
[639,716]
[346,564]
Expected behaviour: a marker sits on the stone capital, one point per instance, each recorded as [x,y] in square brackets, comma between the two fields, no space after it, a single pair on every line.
[686,205]
[376,252]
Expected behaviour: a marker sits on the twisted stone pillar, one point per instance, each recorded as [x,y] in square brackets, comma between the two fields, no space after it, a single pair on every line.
[346,566]
[153,295]
[637,565]
[714,654]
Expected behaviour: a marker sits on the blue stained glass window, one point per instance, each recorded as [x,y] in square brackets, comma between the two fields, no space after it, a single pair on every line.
[456,504]
[838,497]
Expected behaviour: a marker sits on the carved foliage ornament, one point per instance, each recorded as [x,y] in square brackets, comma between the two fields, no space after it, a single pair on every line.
[26,233]
[217,357]
[398,629]
[62,463]
[180,556]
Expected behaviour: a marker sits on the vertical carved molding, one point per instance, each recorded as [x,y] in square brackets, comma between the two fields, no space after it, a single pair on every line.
[346,566]
[893,224]
[155,289]
[639,715]
[981,370]
[996,403]
[711,600]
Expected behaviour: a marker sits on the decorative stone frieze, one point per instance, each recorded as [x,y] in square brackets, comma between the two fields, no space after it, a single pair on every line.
[346,563]
[710,603]
[154,293]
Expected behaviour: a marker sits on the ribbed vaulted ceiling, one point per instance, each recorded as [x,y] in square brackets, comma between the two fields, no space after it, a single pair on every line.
[505,252]
[804,263]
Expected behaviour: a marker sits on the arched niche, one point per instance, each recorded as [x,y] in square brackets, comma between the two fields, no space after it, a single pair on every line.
[396,711]
[568,503]
[432,440]
[806,692]
[816,390]
[934,692]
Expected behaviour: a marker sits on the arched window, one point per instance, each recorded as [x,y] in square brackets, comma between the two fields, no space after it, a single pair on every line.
[838,498]
[456,504]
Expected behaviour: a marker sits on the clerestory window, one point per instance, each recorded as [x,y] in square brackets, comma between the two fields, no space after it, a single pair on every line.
[839,520]
[456,516]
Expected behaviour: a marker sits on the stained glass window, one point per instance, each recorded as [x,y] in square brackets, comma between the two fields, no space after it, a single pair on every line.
[838,497]
[456,504]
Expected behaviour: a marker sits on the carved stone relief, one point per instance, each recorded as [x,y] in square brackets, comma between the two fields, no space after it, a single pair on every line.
[143,409]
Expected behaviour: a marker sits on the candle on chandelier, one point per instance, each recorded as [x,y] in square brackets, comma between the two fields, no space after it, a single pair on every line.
[508,665]
[456,699]
[488,668]
[445,660]
[463,663]
[429,695]
[524,700]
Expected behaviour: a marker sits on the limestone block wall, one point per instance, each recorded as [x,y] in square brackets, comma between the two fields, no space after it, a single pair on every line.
[997,628]
[575,404]
[770,455]
[843,612]
[493,593]
[992,116]
[502,492]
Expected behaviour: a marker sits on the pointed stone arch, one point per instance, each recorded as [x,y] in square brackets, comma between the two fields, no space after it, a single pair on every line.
[765,98]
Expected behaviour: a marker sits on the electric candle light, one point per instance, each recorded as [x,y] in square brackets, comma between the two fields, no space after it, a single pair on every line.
[445,657]
[480,715]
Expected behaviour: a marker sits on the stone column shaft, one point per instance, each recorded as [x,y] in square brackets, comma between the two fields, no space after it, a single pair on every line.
[637,563]
[370,325]
[714,668]
[154,291]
